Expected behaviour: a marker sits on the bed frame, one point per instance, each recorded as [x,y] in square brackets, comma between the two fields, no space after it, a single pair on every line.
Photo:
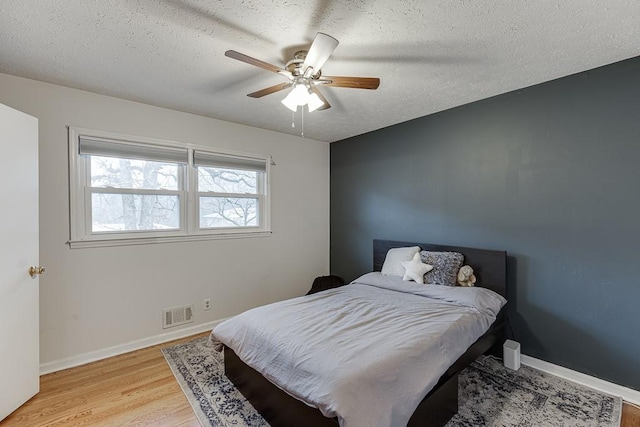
[438,406]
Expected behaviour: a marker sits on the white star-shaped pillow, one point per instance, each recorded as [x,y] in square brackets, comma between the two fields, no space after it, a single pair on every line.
[415,269]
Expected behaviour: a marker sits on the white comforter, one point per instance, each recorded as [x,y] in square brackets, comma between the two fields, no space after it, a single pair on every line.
[368,352]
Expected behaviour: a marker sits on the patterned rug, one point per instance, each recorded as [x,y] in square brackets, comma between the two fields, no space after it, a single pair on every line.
[489,394]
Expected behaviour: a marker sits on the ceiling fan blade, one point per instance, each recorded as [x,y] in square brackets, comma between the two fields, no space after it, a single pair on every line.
[350,82]
[253,61]
[321,49]
[322,98]
[270,90]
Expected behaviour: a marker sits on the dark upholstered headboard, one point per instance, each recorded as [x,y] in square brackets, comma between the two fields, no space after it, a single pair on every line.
[490,267]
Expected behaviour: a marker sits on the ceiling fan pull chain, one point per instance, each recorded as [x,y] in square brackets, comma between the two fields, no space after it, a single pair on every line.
[293,119]
[302,120]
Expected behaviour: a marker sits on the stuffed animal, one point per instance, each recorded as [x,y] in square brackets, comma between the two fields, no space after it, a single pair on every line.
[466,276]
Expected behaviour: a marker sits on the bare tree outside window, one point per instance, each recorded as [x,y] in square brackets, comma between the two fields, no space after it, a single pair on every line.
[238,208]
[136,208]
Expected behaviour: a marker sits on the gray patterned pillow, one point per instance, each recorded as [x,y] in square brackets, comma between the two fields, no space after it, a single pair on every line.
[445,267]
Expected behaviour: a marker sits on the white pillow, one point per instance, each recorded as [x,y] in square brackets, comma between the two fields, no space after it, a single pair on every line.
[415,269]
[392,262]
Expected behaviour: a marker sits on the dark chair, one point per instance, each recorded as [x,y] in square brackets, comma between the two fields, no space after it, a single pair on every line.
[323,283]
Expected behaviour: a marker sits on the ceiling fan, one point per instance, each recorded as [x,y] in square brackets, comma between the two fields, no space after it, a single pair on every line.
[305,76]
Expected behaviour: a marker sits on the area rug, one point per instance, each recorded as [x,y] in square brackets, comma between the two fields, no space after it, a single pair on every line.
[489,394]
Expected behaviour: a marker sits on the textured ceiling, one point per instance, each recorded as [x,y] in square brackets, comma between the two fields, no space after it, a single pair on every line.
[429,55]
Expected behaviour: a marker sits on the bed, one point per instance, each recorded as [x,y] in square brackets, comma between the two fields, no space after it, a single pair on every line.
[439,404]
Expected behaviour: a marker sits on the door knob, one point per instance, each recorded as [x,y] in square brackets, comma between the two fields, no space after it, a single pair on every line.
[33,271]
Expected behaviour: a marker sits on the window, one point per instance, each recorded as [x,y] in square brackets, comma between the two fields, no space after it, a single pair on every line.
[127,190]
[230,190]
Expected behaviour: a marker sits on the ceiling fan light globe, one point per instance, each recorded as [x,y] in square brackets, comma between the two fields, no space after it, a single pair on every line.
[314,102]
[299,94]
[287,102]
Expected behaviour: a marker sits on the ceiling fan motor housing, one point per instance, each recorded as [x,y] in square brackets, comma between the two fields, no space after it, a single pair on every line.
[295,65]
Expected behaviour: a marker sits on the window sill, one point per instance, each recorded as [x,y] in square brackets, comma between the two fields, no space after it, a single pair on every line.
[101,243]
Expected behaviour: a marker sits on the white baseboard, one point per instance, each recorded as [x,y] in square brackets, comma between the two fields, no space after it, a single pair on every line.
[82,359]
[627,394]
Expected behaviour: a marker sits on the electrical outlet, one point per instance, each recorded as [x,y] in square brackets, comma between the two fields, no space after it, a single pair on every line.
[207,303]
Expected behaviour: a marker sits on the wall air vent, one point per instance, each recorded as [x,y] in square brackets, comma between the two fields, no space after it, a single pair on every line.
[177,316]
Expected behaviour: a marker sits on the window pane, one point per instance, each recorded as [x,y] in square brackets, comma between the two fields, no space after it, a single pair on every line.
[128,173]
[130,212]
[227,180]
[228,212]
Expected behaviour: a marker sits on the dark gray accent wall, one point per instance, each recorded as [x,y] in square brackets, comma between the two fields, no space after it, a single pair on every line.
[550,174]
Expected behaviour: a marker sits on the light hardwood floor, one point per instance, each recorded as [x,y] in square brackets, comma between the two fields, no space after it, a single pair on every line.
[630,416]
[134,389]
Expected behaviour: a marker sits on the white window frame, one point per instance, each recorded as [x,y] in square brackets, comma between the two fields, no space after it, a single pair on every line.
[223,161]
[80,196]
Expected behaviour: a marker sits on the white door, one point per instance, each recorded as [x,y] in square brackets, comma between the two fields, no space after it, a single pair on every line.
[19,328]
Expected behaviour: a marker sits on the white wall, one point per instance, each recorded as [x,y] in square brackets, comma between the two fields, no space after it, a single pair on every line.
[92,299]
